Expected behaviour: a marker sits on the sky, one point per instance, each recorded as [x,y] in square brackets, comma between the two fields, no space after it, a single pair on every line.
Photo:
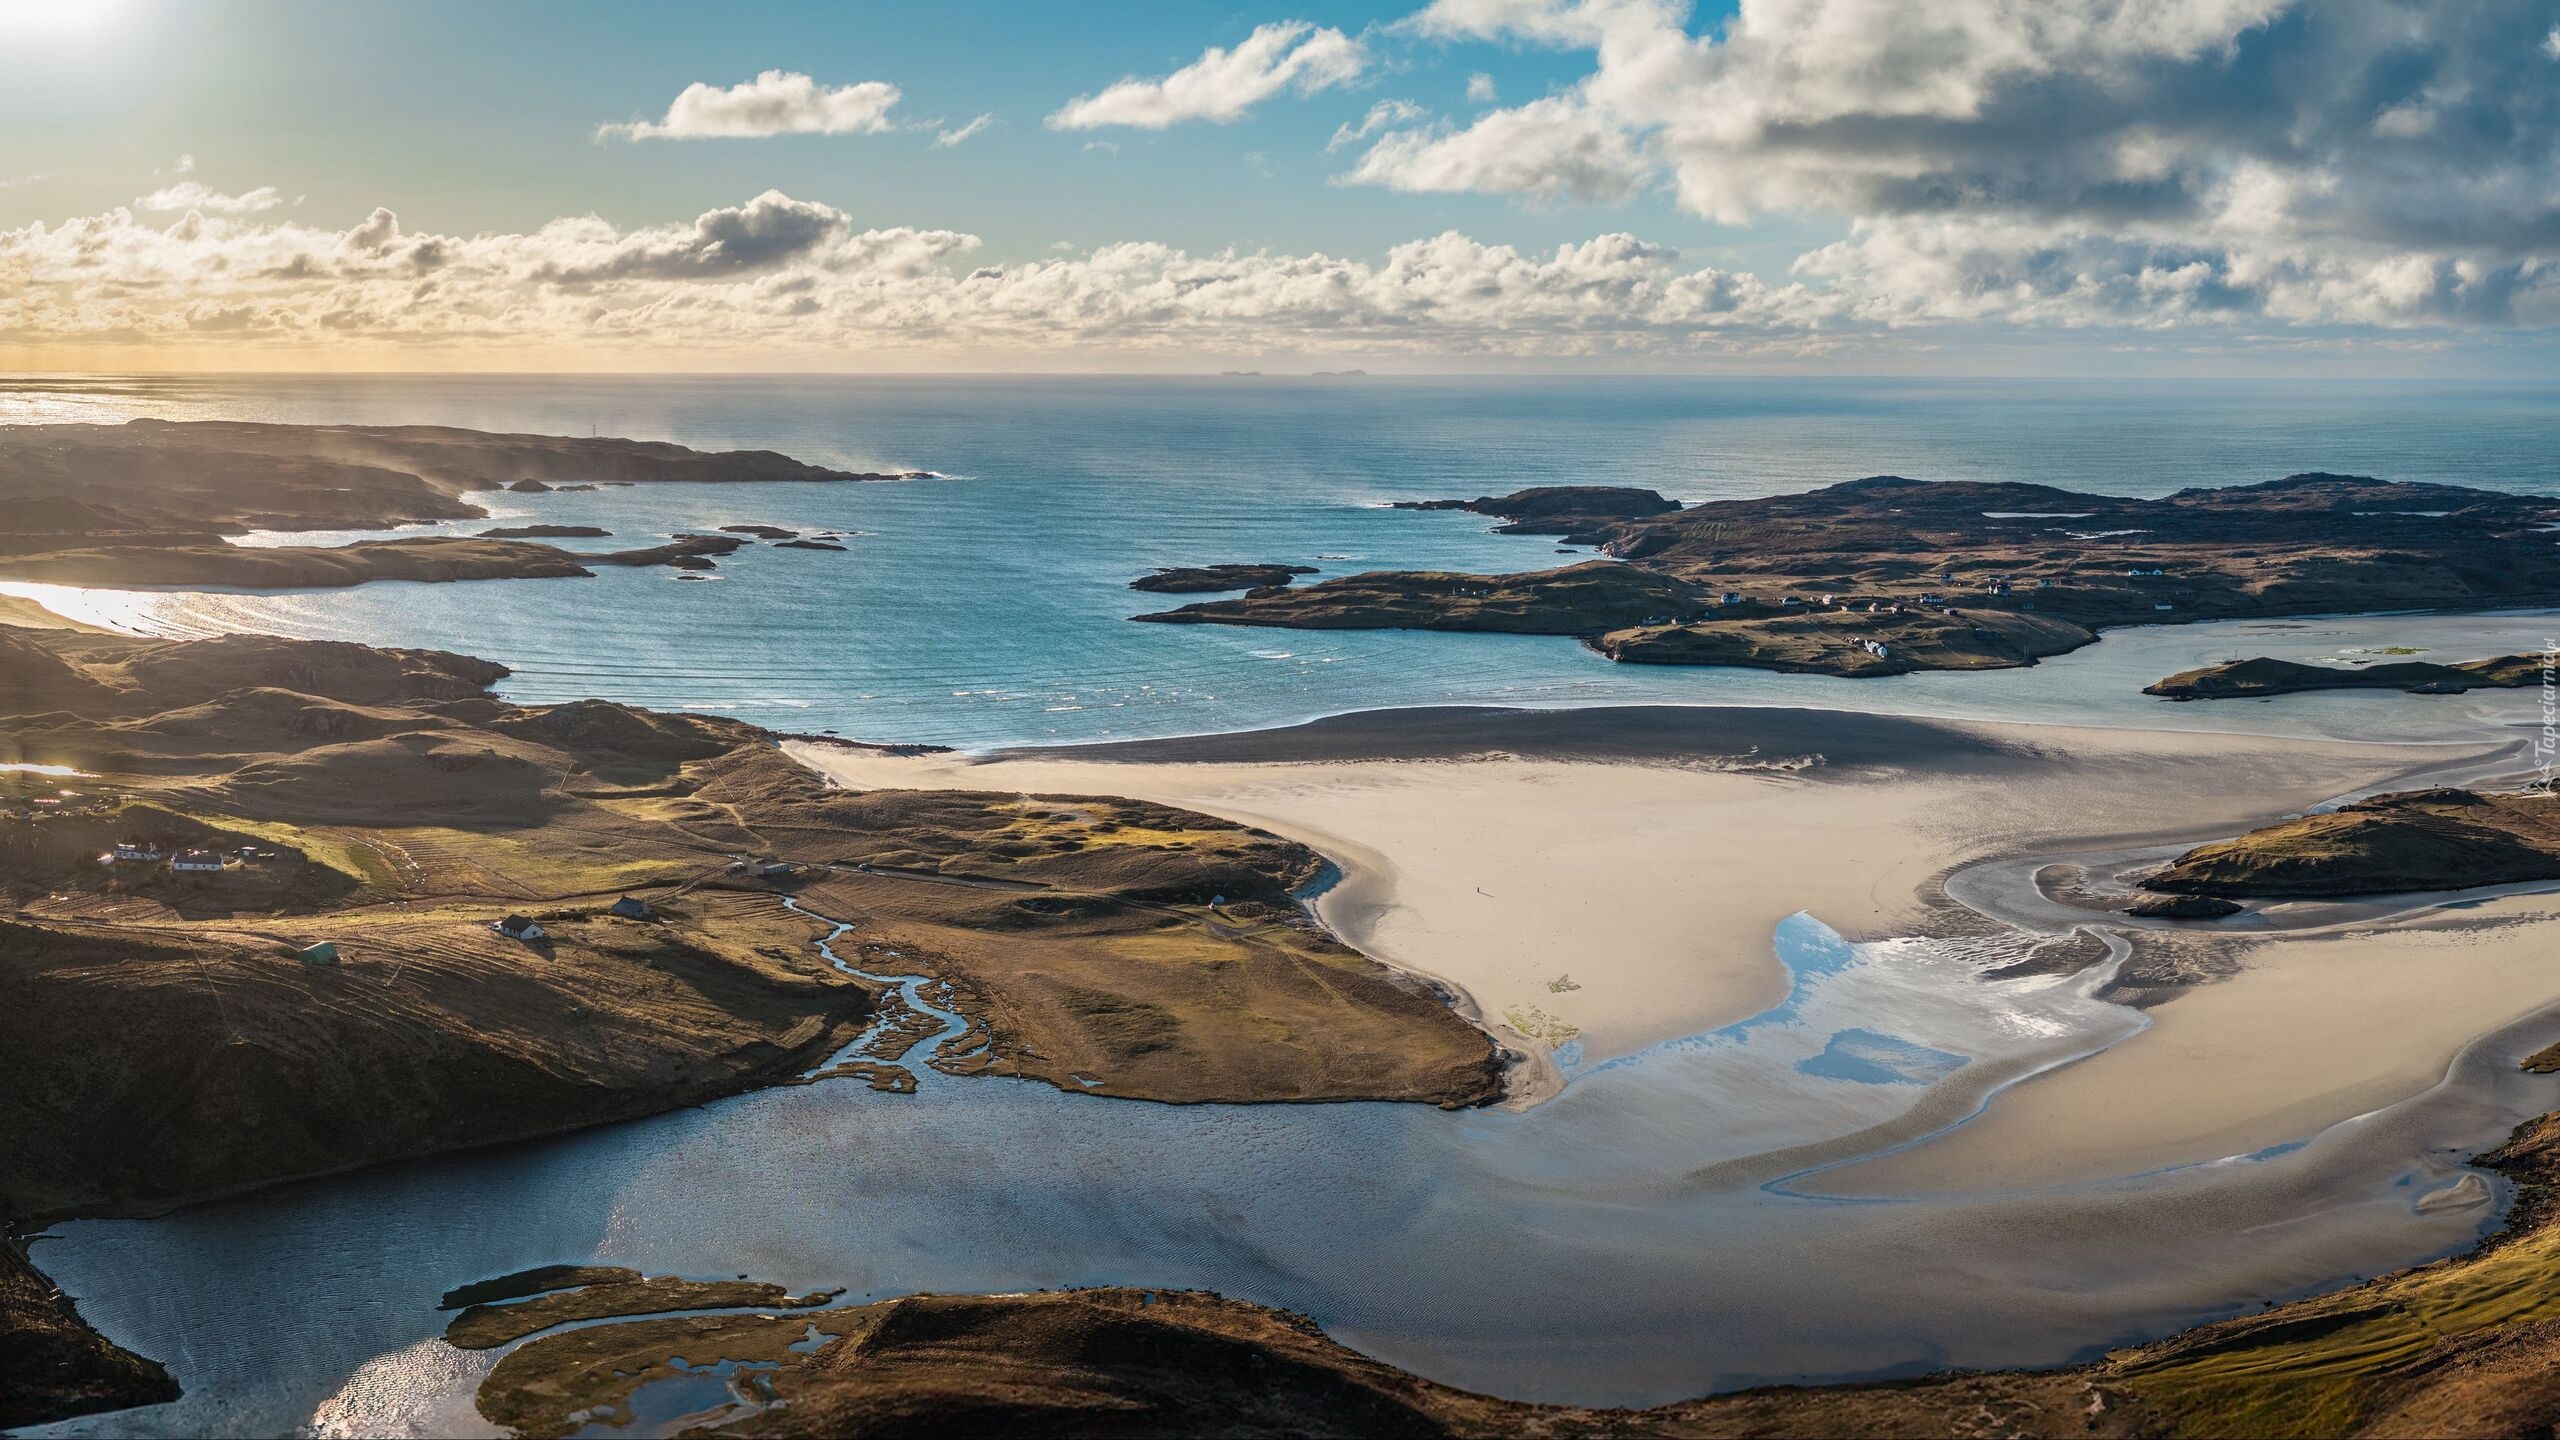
[2084,187]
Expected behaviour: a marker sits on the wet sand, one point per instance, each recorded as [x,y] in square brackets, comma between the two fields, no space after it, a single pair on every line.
[2313,1028]
[1609,879]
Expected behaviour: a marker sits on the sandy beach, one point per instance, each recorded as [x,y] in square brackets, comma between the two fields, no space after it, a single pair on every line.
[2313,1028]
[1611,879]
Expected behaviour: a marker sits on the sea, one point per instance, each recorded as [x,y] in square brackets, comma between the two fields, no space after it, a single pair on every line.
[989,606]
[1571,1252]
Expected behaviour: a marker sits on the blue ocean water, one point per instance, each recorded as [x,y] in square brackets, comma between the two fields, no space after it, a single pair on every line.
[991,607]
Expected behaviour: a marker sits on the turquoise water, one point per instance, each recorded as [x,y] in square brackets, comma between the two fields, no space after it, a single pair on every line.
[991,608]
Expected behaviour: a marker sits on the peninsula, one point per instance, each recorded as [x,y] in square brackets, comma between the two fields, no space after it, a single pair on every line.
[153,502]
[1887,575]
[282,908]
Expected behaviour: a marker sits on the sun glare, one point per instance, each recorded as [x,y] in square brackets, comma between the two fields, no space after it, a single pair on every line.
[27,19]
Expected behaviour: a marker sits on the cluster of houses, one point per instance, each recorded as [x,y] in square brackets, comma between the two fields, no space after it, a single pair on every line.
[183,859]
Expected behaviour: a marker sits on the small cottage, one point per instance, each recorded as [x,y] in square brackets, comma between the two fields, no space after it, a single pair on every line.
[197,862]
[136,852]
[633,908]
[520,927]
[323,953]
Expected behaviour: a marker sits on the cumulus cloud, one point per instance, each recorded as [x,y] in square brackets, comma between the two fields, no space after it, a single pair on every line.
[778,276]
[1551,149]
[191,195]
[1481,89]
[2077,160]
[1222,85]
[776,102]
[949,136]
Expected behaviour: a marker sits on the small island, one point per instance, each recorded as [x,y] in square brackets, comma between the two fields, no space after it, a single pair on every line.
[1888,575]
[1208,579]
[2262,676]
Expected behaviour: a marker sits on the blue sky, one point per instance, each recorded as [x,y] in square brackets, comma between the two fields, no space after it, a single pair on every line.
[1827,183]
[483,116]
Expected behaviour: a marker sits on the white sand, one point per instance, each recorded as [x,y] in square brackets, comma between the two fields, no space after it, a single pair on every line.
[1656,887]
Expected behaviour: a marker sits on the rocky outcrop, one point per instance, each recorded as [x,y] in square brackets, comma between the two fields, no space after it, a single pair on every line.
[2415,840]
[1208,579]
[1582,514]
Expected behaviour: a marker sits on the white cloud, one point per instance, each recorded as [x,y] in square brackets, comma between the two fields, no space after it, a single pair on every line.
[945,138]
[1550,149]
[190,195]
[1222,85]
[779,274]
[776,102]
[779,277]
[1381,116]
[1481,89]
[2078,162]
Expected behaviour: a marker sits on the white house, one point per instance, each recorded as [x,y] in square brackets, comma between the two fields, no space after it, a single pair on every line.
[197,862]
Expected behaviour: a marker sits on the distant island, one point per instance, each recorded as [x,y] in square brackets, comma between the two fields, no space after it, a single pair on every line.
[1887,575]
[2263,676]
[153,502]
